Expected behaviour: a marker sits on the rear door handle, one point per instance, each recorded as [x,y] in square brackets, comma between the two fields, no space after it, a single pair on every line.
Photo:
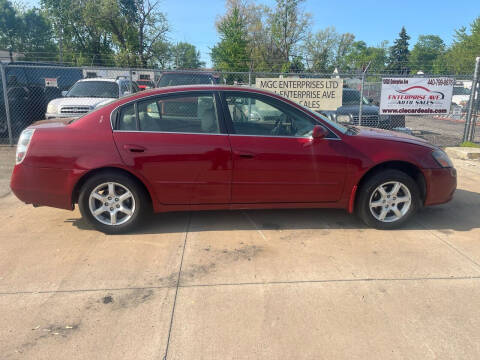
[244,155]
[134,148]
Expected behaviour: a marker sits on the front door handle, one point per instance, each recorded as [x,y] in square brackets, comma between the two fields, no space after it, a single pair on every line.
[134,148]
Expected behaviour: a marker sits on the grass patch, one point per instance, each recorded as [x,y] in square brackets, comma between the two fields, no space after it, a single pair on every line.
[470,144]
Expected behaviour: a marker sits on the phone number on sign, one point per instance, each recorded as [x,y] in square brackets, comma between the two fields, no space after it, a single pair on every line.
[441,81]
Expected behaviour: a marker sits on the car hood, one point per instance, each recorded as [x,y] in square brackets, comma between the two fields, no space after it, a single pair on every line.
[373,133]
[80,101]
[354,110]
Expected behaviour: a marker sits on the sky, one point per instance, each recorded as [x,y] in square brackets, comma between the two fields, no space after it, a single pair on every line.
[372,21]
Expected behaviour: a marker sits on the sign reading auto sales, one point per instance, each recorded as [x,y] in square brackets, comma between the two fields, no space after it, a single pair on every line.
[316,94]
[416,96]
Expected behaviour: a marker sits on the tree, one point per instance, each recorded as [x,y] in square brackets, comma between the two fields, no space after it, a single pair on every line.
[460,57]
[360,55]
[10,27]
[83,39]
[289,26]
[399,53]
[327,49]
[37,37]
[231,54]
[319,50]
[26,31]
[425,52]
[186,56]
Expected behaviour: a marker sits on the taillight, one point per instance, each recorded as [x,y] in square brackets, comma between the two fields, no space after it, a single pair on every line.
[23,143]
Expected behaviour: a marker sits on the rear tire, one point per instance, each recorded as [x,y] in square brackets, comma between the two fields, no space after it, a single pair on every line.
[113,203]
[388,199]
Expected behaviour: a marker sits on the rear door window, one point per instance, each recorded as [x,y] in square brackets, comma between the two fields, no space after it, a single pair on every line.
[195,113]
[127,120]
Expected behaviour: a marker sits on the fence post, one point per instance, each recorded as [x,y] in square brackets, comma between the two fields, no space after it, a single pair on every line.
[7,105]
[130,77]
[360,110]
[250,78]
[468,120]
[473,121]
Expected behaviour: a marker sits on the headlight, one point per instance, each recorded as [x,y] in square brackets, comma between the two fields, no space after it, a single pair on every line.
[23,143]
[384,117]
[344,119]
[442,159]
[52,108]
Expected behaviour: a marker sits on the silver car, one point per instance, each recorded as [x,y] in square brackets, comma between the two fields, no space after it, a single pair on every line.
[87,94]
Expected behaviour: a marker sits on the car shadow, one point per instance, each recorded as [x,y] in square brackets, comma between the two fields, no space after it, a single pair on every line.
[461,214]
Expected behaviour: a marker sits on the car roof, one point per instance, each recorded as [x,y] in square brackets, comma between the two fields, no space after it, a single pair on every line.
[100,79]
[207,73]
[205,87]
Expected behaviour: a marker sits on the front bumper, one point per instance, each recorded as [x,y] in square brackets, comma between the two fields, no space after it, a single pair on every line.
[44,186]
[441,185]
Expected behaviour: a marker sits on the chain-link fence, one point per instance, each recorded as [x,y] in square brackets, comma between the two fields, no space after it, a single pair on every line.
[33,91]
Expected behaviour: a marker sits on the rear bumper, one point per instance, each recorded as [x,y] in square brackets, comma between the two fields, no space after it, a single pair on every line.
[441,185]
[44,186]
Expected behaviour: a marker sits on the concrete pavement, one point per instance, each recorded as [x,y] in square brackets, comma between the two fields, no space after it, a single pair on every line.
[303,284]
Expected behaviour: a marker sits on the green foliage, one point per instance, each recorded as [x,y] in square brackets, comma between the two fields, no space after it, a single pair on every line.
[469,144]
[465,48]
[230,54]
[28,32]
[294,66]
[186,56]
[360,55]
[425,54]
[399,54]
[289,26]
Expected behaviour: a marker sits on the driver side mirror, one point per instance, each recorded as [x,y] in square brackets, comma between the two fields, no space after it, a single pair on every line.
[319,132]
[64,93]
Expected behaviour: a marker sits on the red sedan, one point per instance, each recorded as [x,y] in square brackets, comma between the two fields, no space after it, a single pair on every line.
[219,147]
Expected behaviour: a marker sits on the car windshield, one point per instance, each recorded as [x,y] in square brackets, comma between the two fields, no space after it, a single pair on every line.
[461,91]
[96,89]
[352,97]
[185,79]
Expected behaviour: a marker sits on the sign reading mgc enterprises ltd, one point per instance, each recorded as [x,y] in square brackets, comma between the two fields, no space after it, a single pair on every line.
[316,94]
[416,96]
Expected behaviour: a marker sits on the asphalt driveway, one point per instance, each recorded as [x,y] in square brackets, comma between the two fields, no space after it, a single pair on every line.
[283,284]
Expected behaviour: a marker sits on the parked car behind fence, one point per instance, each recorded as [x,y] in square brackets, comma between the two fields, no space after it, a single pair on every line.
[30,87]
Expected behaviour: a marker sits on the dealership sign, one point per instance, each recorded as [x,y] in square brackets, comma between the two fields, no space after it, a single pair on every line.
[416,96]
[317,94]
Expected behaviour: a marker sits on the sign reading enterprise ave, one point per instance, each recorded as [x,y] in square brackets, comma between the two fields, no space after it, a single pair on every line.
[316,94]
[416,96]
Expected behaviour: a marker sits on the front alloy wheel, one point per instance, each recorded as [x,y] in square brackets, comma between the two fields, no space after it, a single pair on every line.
[387,199]
[390,201]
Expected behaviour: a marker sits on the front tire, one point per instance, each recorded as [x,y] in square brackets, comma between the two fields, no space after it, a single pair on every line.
[388,199]
[113,203]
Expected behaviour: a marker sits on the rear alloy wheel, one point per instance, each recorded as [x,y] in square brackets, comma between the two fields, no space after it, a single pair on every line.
[387,199]
[113,203]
